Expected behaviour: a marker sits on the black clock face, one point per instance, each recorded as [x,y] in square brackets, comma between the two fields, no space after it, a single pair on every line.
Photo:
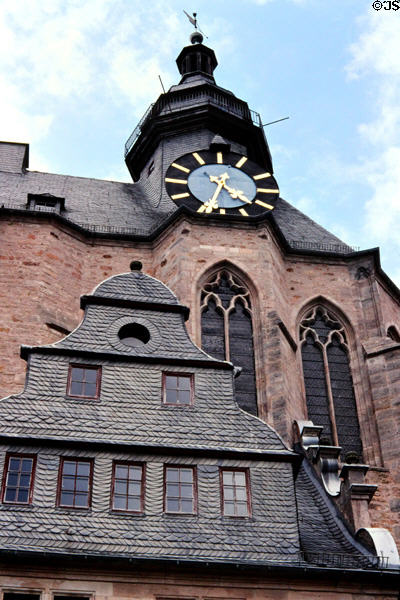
[221,183]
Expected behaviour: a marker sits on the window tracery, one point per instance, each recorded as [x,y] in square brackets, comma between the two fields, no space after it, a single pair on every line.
[227,331]
[328,381]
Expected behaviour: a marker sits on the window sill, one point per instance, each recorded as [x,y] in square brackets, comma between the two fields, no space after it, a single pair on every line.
[177,406]
[172,515]
[126,513]
[68,509]
[89,399]
[14,505]
[233,517]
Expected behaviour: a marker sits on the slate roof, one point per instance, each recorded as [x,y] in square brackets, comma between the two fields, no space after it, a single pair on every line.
[125,207]
[322,531]
[297,227]
[135,286]
[88,202]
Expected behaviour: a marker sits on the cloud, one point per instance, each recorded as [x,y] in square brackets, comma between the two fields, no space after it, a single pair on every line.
[60,55]
[375,58]
[16,124]
[382,217]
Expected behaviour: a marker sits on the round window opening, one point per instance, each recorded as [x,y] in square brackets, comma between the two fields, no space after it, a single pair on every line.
[134,335]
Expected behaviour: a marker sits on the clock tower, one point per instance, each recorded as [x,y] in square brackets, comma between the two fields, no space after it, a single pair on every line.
[208,146]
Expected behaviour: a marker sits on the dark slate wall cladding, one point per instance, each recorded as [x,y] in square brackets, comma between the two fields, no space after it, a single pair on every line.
[153,184]
[130,409]
[99,332]
[12,157]
[270,534]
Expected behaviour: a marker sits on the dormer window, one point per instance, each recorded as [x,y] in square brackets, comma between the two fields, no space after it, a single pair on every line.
[84,382]
[177,389]
[45,202]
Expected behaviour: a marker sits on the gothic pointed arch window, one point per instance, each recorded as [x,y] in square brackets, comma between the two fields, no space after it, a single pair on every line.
[328,381]
[227,331]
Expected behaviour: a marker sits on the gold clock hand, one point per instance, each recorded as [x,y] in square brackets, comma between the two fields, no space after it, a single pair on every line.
[237,194]
[212,202]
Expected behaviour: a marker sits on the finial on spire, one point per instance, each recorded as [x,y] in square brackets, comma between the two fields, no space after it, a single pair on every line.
[196,37]
[136,265]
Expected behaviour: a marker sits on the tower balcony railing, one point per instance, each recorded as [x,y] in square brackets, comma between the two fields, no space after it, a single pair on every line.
[200,96]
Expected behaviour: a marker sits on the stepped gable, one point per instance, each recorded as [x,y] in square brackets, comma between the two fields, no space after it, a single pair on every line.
[129,409]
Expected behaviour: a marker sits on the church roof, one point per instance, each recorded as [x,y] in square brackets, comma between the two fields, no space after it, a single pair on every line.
[116,207]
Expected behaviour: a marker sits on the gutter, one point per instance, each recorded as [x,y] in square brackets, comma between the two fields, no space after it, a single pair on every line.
[204,451]
[387,578]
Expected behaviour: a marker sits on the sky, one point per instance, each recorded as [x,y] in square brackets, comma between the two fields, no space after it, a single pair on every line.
[77,75]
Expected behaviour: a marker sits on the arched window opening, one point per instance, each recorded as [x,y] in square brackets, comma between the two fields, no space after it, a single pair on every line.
[227,331]
[328,381]
[393,334]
